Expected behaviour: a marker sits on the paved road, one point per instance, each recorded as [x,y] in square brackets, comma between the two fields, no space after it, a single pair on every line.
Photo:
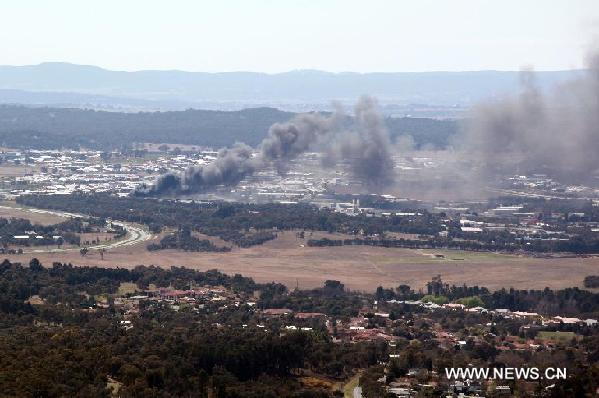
[357,392]
[135,233]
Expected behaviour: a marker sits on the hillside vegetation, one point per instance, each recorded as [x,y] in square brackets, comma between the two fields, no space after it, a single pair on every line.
[52,128]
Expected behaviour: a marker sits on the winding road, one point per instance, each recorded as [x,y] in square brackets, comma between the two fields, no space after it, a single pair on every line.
[135,233]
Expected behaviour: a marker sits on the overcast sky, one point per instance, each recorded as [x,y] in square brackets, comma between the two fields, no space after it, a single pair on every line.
[283,35]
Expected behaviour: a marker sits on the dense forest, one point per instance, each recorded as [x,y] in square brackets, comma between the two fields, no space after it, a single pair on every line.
[54,128]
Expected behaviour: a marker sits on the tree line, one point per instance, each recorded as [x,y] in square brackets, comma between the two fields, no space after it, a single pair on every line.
[55,128]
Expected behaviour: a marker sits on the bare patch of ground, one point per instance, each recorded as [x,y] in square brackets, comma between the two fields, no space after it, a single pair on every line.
[99,237]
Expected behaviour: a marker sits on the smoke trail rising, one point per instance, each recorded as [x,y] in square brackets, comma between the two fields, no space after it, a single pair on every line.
[367,147]
[364,144]
[556,134]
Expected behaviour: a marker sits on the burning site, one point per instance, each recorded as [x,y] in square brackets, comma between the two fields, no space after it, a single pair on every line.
[361,141]
[515,135]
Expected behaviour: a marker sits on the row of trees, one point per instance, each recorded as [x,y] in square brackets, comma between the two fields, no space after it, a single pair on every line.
[184,240]
[585,244]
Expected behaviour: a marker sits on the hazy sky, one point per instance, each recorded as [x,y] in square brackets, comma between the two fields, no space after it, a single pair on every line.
[282,35]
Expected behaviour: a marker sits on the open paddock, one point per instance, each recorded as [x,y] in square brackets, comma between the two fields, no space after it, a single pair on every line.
[8,211]
[359,267]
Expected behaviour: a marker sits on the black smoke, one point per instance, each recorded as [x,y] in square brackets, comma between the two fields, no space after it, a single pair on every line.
[230,166]
[286,141]
[367,147]
[555,134]
[362,141]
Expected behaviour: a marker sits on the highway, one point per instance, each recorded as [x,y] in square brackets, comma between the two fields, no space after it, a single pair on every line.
[135,233]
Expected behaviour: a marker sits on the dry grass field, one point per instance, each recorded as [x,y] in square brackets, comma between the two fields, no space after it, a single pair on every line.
[361,268]
[36,218]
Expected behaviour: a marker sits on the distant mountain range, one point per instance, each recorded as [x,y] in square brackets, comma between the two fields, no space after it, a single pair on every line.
[75,85]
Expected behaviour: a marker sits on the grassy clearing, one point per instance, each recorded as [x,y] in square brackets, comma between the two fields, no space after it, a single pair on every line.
[101,298]
[557,336]
[317,382]
[114,387]
[126,288]
[12,209]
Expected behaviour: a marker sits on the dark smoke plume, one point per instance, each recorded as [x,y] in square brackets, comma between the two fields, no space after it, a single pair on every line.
[367,148]
[230,167]
[364,144]
[286,141]
[555,134]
